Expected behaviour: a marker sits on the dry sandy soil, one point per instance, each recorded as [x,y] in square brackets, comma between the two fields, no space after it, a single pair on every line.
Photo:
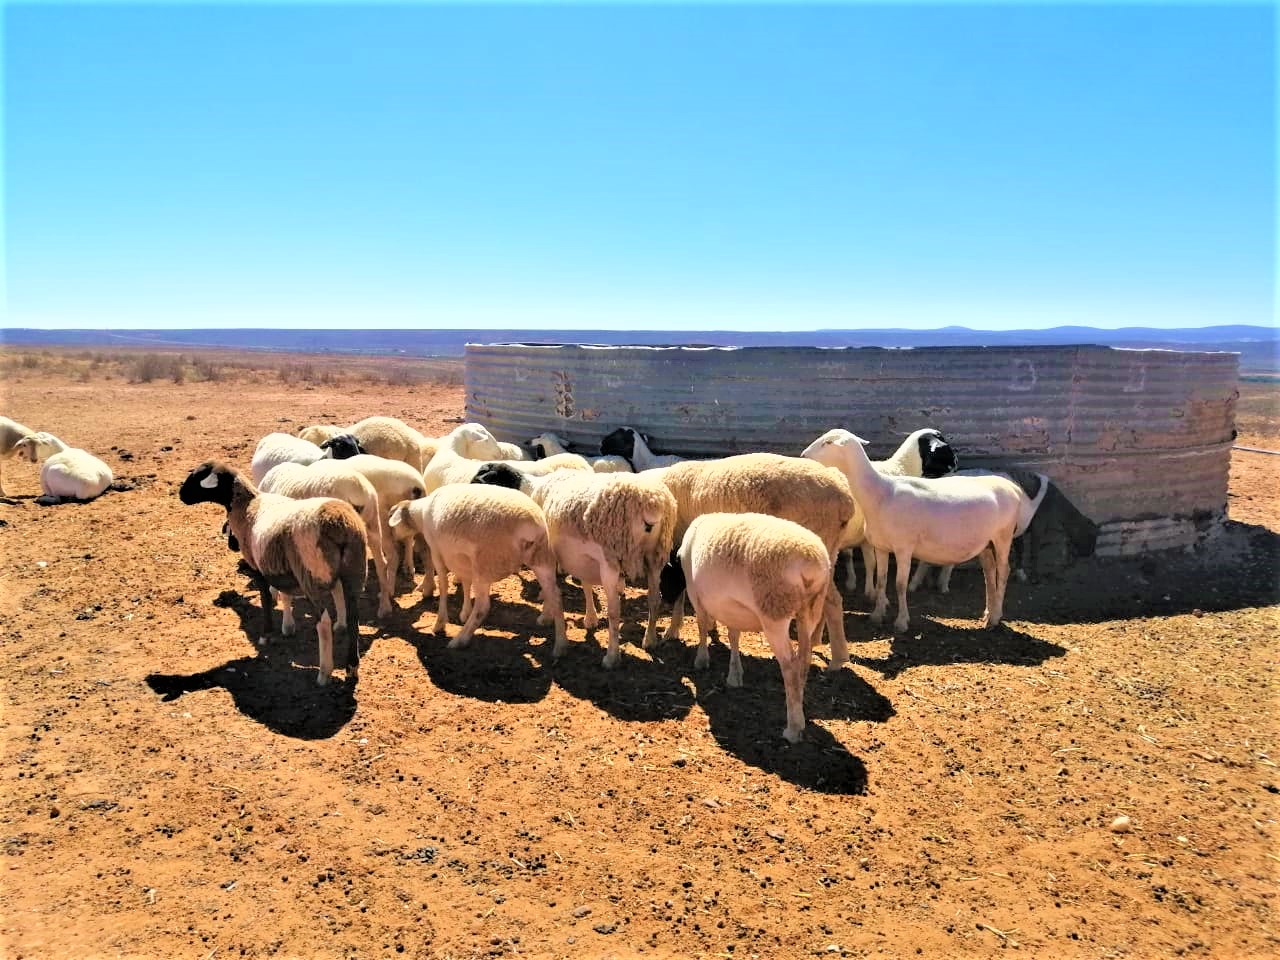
[170,790]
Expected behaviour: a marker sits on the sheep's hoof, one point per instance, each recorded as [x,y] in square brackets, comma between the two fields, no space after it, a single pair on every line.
[590,623]
[792,736]
[944,590]
[650,640]
[991,624]
[544,619]
[262,641]
[670,634]
[287,630]
[1021,575]
[702,660]
[440,629]
[876,616]
[560,649]
[384,611]
[733,679]
[458,642]
[322,679]
[900,625]
[834,666]
[611,660]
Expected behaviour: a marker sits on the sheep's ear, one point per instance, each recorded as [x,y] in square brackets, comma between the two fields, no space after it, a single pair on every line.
[210,482]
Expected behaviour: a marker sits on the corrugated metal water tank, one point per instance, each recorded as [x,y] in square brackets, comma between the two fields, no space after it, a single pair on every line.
[1140,440]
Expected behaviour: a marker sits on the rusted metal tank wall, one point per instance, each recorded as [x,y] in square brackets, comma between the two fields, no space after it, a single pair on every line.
[1140,440]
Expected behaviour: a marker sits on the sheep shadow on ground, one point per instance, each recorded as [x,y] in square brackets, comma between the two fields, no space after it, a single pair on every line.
[269,689]
[501,664]
[1235,569]
[929,643]
[747,722]
[248,609]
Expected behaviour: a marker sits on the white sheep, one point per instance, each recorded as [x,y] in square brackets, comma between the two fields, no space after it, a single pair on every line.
[10,433]
[751,571]
[944,521]
[605,528]
[338,479]
[924,453]
[482,534]
[68,473]
[1031,486]
[316,547]
[394,480]
[277,448]
[318,433]
[633,446]
[788,487]
[456,462]
[548,445]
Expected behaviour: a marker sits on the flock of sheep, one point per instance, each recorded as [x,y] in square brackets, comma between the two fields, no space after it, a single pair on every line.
[755,536]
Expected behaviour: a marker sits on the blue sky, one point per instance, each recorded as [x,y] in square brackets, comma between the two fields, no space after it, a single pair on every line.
[657,166]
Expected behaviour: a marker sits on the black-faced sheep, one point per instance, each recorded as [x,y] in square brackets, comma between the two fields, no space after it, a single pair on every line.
[315,547]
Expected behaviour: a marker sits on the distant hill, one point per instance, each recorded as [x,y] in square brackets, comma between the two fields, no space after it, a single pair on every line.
[1259,347]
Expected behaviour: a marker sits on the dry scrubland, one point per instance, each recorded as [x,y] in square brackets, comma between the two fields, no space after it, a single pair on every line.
[170,791]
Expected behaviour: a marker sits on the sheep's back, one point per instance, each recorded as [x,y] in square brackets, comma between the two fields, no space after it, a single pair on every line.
[792,488]
[75,473]
[786,564]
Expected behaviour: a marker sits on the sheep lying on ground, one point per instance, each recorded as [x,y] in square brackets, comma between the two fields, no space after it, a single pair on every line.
[633,446]
[548,445]
[751,571]
[788,487]
[333,478]
[278,448]
[316,547]
[1032,486]
[925,453]
[482,534]
[10,433]
[68,473]
[950,520]
[605,528]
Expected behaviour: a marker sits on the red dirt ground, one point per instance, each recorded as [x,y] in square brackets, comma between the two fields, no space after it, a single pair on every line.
[172,791]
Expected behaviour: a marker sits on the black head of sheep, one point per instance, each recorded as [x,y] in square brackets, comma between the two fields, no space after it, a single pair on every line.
[499,475]
[937,456]
[211,482]
[343,446]
[620,443]
[671,581]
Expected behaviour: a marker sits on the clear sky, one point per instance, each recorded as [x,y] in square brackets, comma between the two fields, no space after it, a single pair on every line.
[660,166]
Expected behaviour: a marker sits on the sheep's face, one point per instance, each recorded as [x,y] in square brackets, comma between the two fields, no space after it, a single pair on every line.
[671,581]
[474,442]
[619,443]
[830,448]
[342,447]
[211,482]
[26,449]
[937,456]
[499,475]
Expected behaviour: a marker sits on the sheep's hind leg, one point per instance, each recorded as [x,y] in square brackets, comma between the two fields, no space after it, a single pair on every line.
[590,619]
[677,618]
[288,625]
[734,679]
[324,636]
[882,577]
[552,608]
[850,571]
[479,610]
[613,598]
[794,670]
[655,594]
[442,591]
[872,573]
[702,658]
[922,571]
[833,616]
[988,560]
[902,562]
